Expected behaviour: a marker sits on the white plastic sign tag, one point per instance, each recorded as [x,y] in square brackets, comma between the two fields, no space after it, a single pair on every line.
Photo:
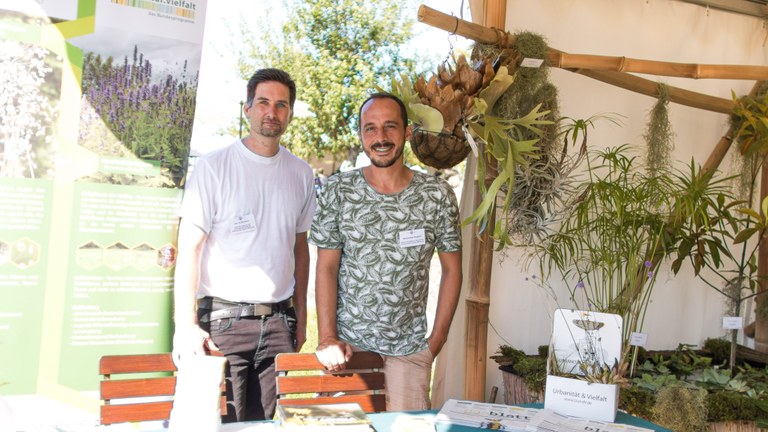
[638,339]
[531,62]
[733,323]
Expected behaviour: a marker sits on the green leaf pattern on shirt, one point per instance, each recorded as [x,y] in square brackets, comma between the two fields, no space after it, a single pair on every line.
[383,287]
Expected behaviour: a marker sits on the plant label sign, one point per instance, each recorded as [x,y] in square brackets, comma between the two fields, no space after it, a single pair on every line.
[733,323]
[638,339]
[531,62]
[583,343]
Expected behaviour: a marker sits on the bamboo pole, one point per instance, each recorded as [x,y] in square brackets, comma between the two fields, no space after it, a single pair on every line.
[478,304]
[564,60]
[495,13]
[651,88]
[624,80]
[477,301]
[761,300]
[684,70]
[479,298]
[455,25]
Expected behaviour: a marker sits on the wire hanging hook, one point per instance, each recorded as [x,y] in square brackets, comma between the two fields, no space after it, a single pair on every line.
[450,44]
[453,33]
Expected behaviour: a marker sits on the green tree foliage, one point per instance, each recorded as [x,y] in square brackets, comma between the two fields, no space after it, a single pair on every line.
[336,51]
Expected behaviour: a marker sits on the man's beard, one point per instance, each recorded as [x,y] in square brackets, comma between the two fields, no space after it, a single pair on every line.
[270,131]
[386,163]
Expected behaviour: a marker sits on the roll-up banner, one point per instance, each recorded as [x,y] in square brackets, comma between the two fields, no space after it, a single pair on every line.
[98,101]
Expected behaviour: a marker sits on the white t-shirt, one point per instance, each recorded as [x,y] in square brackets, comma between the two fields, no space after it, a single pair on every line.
[251,208]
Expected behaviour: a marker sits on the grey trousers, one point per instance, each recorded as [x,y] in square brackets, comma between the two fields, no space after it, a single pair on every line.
[250,345]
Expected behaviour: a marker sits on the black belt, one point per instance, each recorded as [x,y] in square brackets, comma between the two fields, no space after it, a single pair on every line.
[213,309]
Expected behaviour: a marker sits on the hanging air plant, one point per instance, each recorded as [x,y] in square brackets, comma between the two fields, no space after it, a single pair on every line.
[506,114]
[659,135]
[531,200]
[749,122]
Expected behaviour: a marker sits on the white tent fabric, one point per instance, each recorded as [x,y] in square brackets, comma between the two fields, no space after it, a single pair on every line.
[683,309]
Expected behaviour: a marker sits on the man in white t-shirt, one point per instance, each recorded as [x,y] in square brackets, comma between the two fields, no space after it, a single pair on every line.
[243,263]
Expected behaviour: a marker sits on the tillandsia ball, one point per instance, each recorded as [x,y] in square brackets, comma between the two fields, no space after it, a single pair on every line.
[580,284]
[650,274]
[647,264]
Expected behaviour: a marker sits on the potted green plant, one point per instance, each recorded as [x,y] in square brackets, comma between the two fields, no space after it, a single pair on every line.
[724,235]
[621,222]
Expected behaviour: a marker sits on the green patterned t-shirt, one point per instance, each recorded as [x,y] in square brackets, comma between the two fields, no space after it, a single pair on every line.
[387,243]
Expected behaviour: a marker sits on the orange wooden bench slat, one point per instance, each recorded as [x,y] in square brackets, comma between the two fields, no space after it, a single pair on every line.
[126,388]
[329,383]
[136,363]
[135,412]
[308,361]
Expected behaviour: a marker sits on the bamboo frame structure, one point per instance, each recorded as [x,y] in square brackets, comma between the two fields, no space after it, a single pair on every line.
[685,70]
[479,297]
[761,300]
[651,88]
[611,70]
[478,306]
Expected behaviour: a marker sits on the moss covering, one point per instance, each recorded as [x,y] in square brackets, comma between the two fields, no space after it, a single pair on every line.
[533,370]
[731,406]
[543,351]
[680,408]
[637,400]
[719,349]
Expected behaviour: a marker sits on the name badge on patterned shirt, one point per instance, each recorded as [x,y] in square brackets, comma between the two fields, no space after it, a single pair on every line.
[411,238]
[244,224]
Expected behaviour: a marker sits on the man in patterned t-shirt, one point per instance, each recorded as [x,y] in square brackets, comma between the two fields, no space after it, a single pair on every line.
[376,230]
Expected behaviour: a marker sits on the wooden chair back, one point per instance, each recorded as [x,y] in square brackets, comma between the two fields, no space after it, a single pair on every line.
[138,387]
[362,381]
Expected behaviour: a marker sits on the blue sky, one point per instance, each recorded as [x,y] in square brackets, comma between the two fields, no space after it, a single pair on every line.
[220,89]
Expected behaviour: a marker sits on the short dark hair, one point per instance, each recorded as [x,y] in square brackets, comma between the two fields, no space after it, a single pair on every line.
[270,74]
[382,95]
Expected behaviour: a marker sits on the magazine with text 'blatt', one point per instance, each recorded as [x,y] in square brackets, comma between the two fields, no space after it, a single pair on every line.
[485,415]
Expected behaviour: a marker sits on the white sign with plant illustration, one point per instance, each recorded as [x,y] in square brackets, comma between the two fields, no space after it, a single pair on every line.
[585,352]
[583,341]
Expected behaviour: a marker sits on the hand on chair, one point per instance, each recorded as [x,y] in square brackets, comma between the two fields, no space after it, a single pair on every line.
[333,354]
[191,340]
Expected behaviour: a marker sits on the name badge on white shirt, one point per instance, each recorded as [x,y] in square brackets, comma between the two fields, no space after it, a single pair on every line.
[244,224]
[411,238]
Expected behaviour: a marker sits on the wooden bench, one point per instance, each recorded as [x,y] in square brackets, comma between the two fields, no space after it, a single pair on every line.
[138,387]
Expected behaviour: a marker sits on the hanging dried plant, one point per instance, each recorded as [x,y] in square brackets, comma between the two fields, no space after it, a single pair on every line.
[533,202]
[749,122]
[659,136]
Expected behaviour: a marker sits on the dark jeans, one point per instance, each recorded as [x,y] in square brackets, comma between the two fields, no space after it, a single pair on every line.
[250,345]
